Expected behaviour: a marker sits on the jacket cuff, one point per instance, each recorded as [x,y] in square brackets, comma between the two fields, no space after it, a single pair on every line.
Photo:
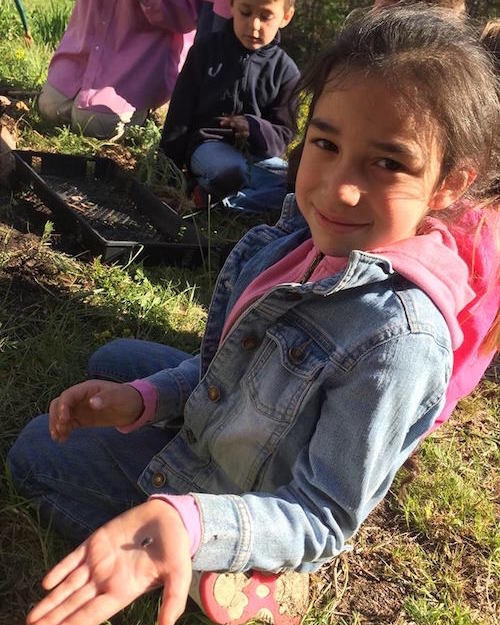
[174,386]
[226,536]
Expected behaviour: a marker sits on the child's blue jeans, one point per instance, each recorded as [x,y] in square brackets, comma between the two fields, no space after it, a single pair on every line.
[266,190]
[222,170]
[85,482]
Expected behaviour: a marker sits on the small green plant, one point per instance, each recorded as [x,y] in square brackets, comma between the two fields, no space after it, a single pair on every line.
[48,230]
[48,24]
[9,23]
[425,612]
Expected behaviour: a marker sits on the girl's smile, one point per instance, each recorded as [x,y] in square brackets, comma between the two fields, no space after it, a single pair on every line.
[337,224]
[369,171]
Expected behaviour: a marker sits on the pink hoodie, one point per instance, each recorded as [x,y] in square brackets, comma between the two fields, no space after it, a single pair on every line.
[222,8]
[122,56]
[475,236]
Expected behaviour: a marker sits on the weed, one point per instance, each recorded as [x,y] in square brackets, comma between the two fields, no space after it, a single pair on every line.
[49,23]
[424,612]
[47,234]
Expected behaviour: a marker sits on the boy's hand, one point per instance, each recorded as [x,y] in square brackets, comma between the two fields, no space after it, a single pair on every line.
[93,403]
[238,123]
[111,569]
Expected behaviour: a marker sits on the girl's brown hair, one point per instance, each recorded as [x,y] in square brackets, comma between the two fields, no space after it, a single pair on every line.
[490,38]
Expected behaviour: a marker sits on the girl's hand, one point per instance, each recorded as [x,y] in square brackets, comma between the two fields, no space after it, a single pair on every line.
[111,569]
[238,123]
[93,403]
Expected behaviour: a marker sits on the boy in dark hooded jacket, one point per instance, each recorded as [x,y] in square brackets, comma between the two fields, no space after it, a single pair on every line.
[232,108]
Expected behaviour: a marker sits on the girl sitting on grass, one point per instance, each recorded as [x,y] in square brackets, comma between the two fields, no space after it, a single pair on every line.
[327,354]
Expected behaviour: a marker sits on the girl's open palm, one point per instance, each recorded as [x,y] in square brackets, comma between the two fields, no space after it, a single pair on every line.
[111,569]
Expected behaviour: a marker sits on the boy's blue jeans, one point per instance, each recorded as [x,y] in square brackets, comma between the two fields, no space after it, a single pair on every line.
[85,482]
[222,170]
[265,192]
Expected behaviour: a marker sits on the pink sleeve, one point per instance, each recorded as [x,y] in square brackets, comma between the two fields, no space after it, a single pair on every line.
[149,396]
[187,507]
[177,16]
[223,8]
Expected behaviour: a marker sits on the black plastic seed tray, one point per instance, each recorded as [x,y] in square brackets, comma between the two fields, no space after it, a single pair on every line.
[112,214]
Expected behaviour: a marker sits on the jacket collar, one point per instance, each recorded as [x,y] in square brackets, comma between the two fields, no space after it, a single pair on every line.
[291,218]
[429,260]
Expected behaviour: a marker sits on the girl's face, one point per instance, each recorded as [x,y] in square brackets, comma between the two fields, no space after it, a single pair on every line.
[368,173]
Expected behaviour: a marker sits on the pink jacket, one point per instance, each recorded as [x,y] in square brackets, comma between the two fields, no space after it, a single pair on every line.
[476,236]
[123,55]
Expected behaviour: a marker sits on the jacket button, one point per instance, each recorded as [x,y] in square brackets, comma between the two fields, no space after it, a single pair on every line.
[213,393]
[249,343]
[190,437]
[158,480]
[296,354]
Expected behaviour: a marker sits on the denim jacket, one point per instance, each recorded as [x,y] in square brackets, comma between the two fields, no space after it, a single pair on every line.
[294,427]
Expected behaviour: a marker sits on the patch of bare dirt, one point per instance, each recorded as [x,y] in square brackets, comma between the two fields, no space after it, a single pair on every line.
[369,590]
[118,153]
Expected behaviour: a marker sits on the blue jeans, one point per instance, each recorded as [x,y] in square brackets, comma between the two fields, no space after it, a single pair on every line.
[266,190]
[223,171]
[219,168]
[92,478]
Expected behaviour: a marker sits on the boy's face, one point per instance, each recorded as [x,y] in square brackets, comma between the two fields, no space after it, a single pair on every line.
[256,22]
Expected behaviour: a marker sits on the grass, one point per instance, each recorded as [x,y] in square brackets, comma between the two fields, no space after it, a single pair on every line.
[429,555]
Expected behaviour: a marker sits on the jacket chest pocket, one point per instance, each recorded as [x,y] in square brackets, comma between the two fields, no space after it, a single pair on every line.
[284,371]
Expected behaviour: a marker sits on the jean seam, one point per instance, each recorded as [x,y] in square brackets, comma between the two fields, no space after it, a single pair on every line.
[53,482]
[52,505]
[107,375]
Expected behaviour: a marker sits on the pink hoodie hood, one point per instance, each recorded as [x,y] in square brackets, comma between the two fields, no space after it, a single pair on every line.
[458,267]
[474,236]
[431,261]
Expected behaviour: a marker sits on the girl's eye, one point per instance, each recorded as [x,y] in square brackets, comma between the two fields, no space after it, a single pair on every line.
[324,144]
[390,164]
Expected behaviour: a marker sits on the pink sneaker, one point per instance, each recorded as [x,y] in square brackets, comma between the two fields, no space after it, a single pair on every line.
[236,598]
